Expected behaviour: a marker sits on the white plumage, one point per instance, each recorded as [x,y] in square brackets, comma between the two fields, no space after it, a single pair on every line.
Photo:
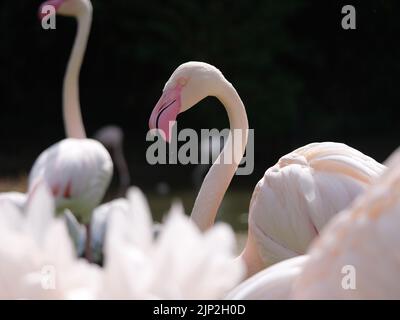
[302,192]
[181,263]
[78,171]
[273,283]
[365,237]
[40,263]
[355,257]
[16,198]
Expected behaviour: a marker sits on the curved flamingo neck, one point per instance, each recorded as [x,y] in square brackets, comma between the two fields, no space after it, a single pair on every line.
[71,106]
[220,174]
[122,167]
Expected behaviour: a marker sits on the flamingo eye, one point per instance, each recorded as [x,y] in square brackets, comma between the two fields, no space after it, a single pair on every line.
[182,82]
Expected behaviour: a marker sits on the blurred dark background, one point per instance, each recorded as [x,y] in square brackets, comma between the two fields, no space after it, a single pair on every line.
[301,76]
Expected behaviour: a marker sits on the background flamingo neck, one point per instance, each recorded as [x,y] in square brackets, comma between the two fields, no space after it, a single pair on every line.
[220,174]
[122,167]
[71,105]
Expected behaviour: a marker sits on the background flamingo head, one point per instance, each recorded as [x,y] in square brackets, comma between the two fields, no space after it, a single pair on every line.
[190,83]
[69,8]
[110,136]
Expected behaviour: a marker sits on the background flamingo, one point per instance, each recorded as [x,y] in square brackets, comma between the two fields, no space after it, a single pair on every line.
[296,197]
[112,137]
[78,170]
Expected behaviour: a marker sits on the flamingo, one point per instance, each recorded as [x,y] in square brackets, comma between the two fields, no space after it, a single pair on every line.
[354,237]
[77,169]
[112,138]
[294,199]
[362,242]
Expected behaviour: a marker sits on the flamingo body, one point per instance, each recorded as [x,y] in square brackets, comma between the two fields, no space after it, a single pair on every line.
[298,196]
[78,172]
[273,283]
[361,242]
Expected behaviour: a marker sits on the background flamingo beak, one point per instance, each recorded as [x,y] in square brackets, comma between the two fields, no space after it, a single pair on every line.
[55,3]
[166,111]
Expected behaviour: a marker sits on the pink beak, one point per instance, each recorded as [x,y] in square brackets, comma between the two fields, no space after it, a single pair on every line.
[166,111]
[55,3]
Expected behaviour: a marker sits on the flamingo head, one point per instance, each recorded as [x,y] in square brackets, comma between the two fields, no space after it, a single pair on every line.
[69,8]
[110,136]
[190,83]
